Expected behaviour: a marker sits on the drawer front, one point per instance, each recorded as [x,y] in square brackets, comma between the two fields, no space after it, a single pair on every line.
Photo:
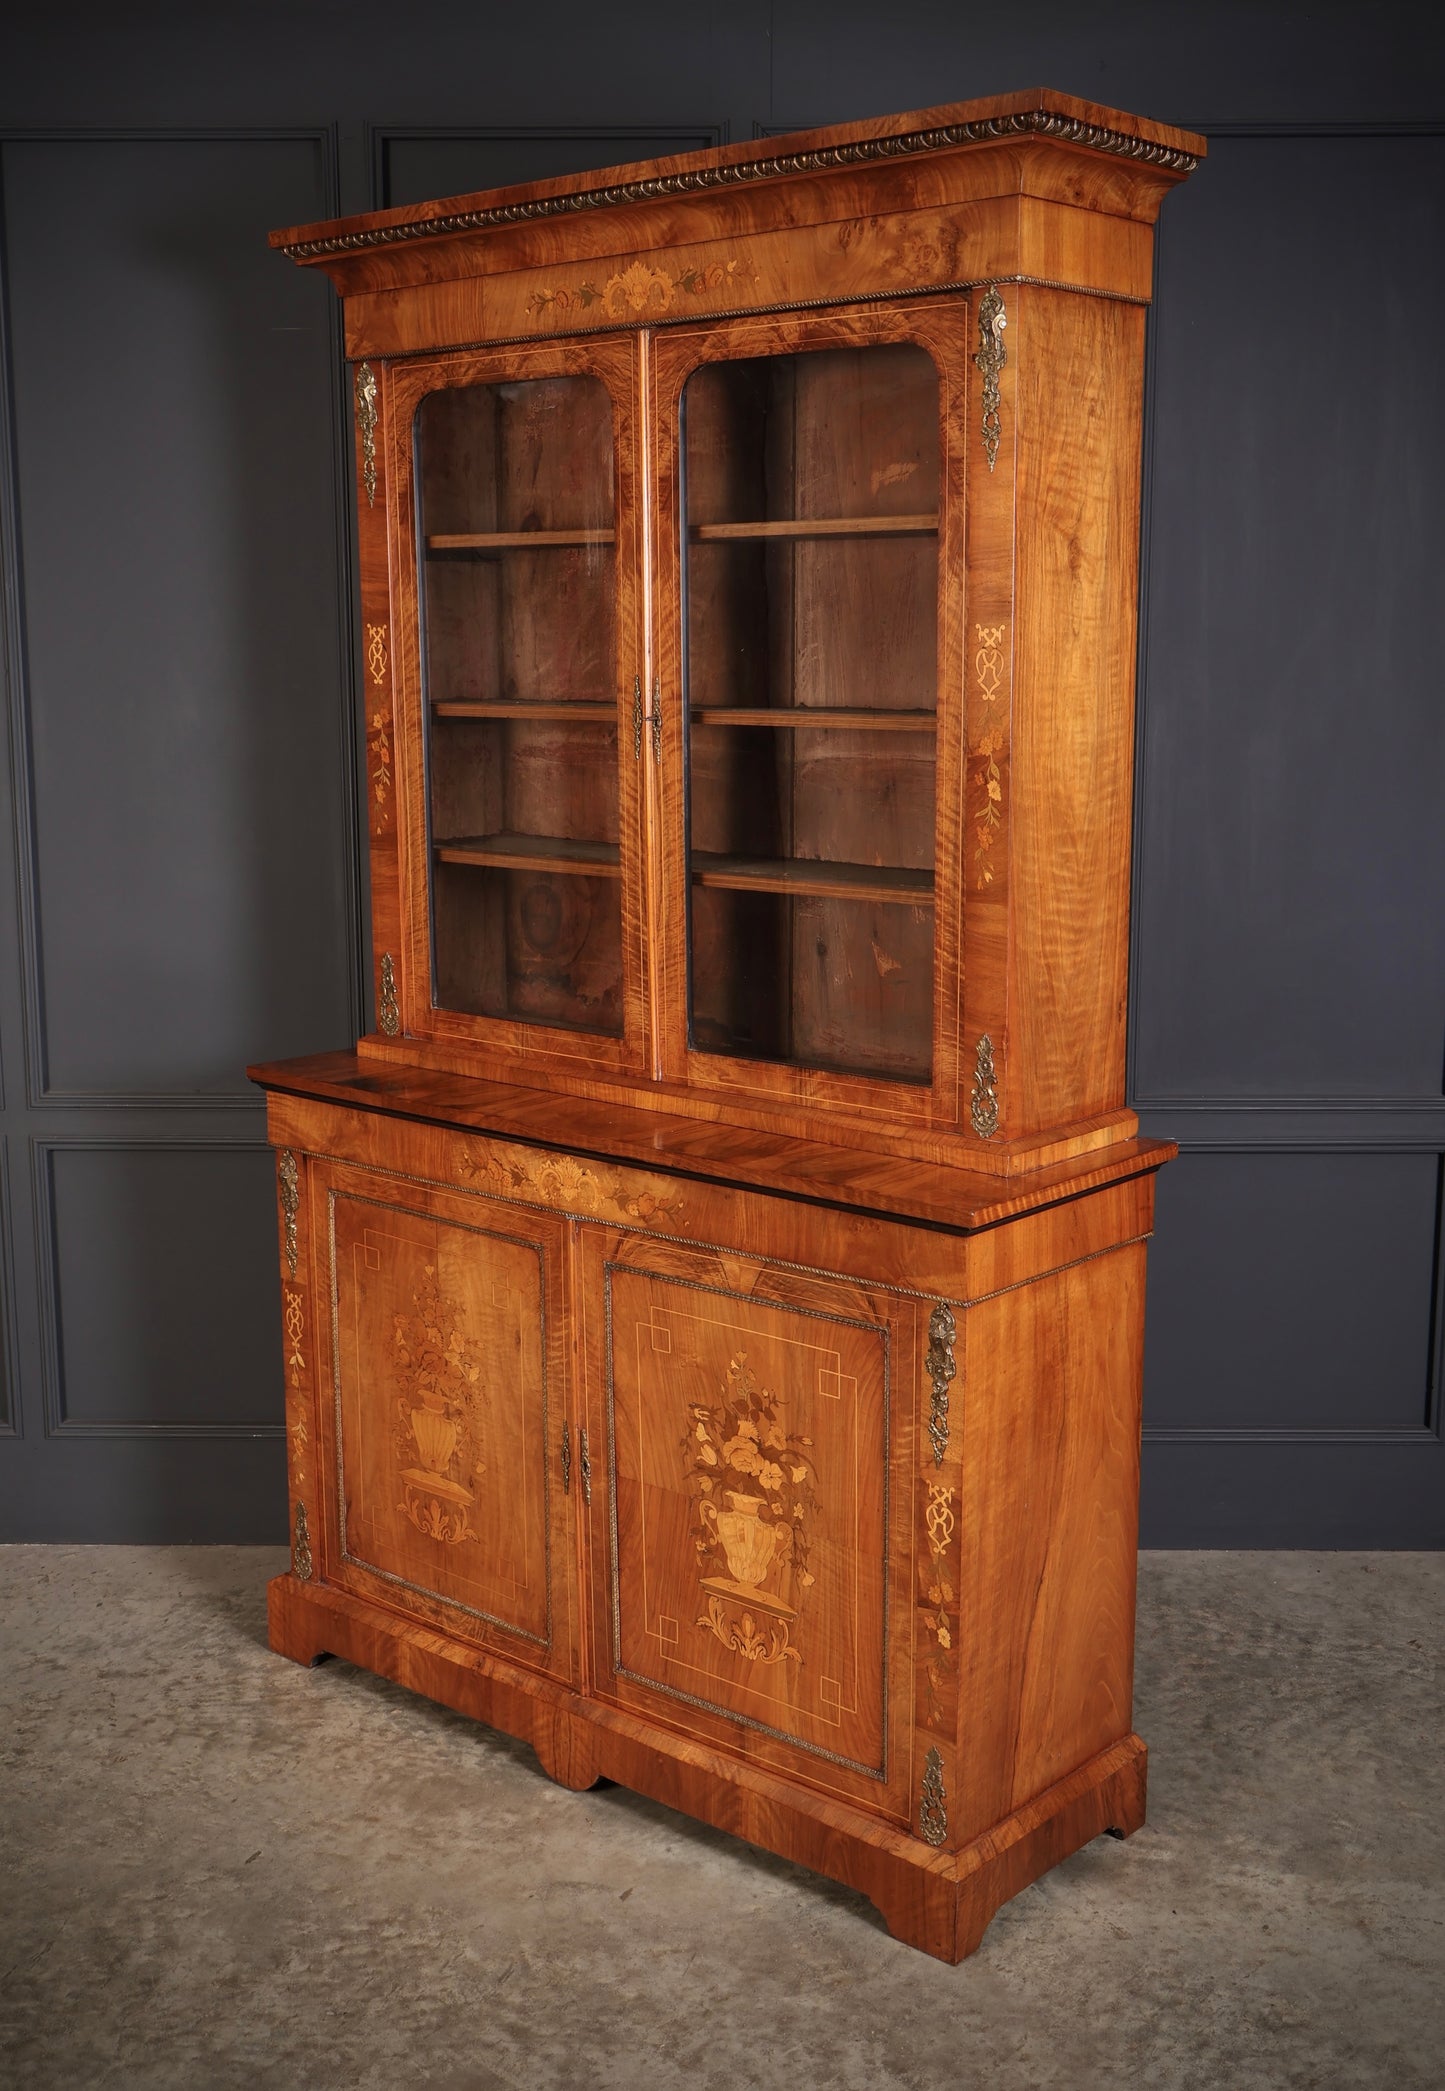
[752,1584]
[448,1405]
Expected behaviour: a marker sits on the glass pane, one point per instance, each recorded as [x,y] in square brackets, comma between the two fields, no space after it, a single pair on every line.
[811,559]
[519,559]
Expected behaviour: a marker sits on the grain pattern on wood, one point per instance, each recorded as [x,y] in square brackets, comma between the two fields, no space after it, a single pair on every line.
[898,251]
[733,1234]
[392,1103]
[449,1397]
[1051,1468]
[755,1589]
[769,1556]
[792,998]
[1079,387]
[750,220]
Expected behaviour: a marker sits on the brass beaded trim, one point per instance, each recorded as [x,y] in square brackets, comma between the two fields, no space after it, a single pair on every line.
[1040,123]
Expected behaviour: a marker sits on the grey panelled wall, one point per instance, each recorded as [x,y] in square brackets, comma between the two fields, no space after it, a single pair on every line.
[1289,947]
[180,734]
[185,888]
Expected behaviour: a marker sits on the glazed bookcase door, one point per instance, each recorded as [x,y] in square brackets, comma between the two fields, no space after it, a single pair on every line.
[445,1424]
[750,1460]
[810,533]
[514,538]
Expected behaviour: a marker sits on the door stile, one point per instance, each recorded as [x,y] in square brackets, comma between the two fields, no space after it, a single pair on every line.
[576,1458]
[633,591]
[668,583]
[384,623]
[647,718]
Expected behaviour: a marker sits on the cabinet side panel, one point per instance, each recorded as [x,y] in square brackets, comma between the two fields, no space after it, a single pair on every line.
[1050,1519]
[1079,400]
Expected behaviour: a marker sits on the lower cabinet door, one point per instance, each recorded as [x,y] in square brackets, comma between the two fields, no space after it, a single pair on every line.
[752,1587]
[447,1422]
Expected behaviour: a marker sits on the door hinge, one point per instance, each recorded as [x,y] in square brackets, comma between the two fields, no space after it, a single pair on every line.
[657,720]
[566,1460]
[584,1467]
[637,718]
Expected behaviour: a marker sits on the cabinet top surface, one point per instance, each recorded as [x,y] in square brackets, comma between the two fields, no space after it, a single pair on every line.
[1034,113]
[933,1194]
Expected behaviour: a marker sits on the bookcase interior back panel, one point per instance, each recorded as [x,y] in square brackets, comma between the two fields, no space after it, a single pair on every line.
[519,557]
[811,501]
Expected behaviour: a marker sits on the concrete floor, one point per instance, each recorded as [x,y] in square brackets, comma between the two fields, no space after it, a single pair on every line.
[221,1870]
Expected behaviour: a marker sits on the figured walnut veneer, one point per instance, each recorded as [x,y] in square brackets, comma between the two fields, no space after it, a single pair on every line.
[713,1296]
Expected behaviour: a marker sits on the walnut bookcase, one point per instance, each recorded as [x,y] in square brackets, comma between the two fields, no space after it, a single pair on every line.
[713,1296]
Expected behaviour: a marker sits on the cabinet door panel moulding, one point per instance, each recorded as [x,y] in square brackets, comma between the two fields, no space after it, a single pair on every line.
[155,1224]
[714,1290]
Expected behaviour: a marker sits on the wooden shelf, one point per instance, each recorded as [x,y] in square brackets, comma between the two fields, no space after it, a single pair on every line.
[812,877]
[579,714]
[534,853]
[802,718]
[517,540]
[821,526]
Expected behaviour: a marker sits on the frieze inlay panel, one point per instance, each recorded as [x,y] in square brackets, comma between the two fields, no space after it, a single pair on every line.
[640,291]
[561,1181]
